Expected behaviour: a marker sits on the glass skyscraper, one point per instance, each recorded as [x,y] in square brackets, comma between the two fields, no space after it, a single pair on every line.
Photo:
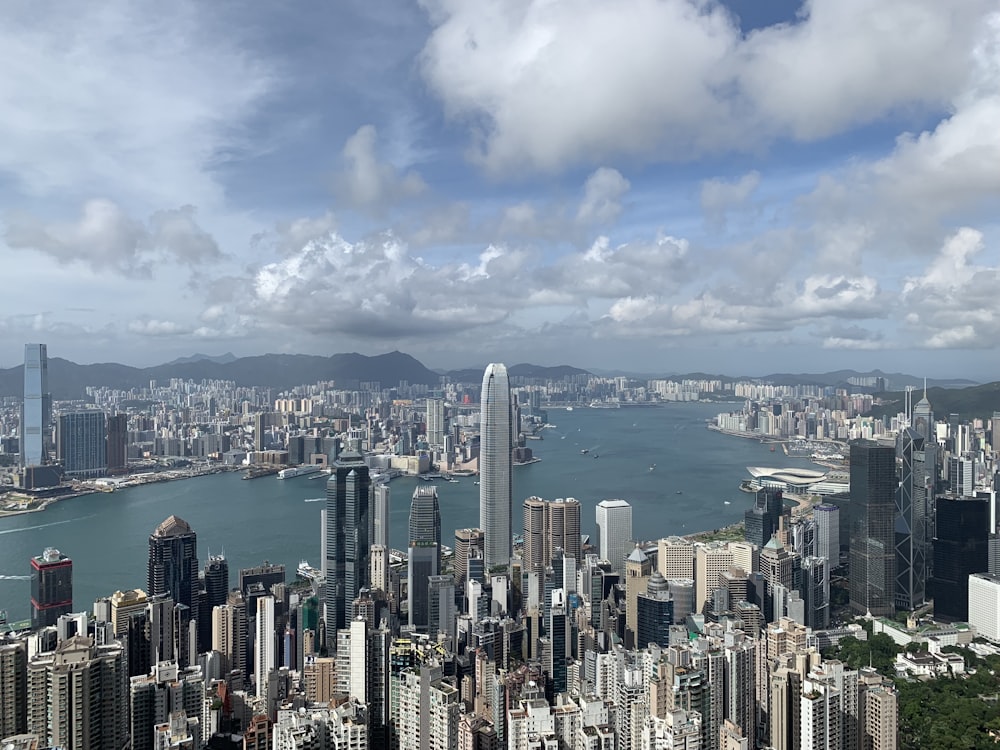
[873,512]
[36,411]
[349,531]
[495,466]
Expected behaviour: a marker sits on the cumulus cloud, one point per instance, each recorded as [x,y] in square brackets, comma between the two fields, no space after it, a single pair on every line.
[367,181]
[602,194]
[154,327]
[678,79]
[107,239]
[954,303]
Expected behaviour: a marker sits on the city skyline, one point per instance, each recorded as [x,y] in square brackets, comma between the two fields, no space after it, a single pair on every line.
[491,195]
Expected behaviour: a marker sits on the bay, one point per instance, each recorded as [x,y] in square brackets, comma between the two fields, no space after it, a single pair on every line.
[697,472]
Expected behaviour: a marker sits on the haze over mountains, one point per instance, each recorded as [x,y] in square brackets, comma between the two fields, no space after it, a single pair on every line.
[68,380]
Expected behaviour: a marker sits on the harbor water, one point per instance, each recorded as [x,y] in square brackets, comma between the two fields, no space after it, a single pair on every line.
[679,477]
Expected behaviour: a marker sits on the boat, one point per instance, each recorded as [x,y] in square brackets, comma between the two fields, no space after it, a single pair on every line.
[772,449]
[596,455]
[726,502]
[569,408]
[652,466]
[298,471]
[584,451]
[678,492]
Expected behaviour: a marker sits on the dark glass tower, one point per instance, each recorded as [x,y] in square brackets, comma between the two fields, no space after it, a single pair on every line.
[214,592]
[349,530]
[425,517]
[960,549]
[117,443]
[424,553]
[36,410]
[173,562]
[873,512]
[51,587]
[761,521]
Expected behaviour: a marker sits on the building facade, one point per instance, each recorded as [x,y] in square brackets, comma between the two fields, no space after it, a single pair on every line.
[496,436]
[349,532]
[51,587]
[614,532]
[873,512]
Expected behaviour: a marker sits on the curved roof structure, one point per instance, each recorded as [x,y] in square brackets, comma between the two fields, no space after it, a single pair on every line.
[793,477]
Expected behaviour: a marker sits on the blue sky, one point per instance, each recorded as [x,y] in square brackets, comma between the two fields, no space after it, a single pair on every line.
[651,185]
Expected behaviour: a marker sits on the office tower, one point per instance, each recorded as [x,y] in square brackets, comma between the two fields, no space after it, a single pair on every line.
[776,565]
[229,636]
[614,532]
[466,540]
[761,520]
[423,563]
[496,432]
[654,613]
[827,519]
[265,658]
[914,518]
[36,411]
[173,562]
[710,562]
[81,444]
[51,587]
[558,633]
[425,516]
[379,568]
[638,570]
[77,695]
[675,558]
[441,606]
[961,548]
[13,688]
[214,590]
[815,592]
[348,537]
[117,443]
[382,518]
[163,692]
[984,605]
[436,427]
[550,525]
[873,511]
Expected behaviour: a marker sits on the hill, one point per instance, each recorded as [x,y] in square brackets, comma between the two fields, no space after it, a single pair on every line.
[969,403]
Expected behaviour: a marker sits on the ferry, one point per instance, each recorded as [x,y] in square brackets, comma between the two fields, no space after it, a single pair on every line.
[584,451]
[298,471]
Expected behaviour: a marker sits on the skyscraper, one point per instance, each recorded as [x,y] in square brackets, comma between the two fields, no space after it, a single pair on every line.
[265,658]
[761,520]
[827,518]
[81,444]
[435,422]
[349,531]
[173,562]
[550,525]
[495,466]
[51,587]
[614,531]
[914,517]
[383,495]
[117,443]
[873,511]
[13,688]
[424,553]
[960,549]
[425,516]
[36,411]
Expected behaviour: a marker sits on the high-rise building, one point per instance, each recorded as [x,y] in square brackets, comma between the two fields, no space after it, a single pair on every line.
[467,543]
[961,548]
[436,427]
[214,590]
[13,688]
[654,613]
[827,519]
[914,518]
[51,587]
[81,444]
[78,695]
[154,697]
[496,435]
[423,563]
[550,525]
[117,443]
[872,538]
[381,521]
[36,411]
[265,658]
[425,516]
[349,534]
[614,532]
[173,562]
[984,605]
[710,562]
[761,520]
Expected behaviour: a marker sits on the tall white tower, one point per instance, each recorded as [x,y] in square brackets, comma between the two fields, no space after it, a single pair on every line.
[264,654]
[614,531]
[495,466]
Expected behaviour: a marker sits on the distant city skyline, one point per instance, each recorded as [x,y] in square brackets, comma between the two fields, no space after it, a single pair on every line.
[726,189]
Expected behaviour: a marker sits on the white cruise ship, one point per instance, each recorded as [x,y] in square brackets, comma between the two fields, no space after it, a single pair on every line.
[298,471]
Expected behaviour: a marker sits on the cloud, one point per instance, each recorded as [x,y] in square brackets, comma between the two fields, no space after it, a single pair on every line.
[105,238]
[953,304]
[153,327]
[113,100]
[719,197]
[369,183]
[602,194]
[676,79]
